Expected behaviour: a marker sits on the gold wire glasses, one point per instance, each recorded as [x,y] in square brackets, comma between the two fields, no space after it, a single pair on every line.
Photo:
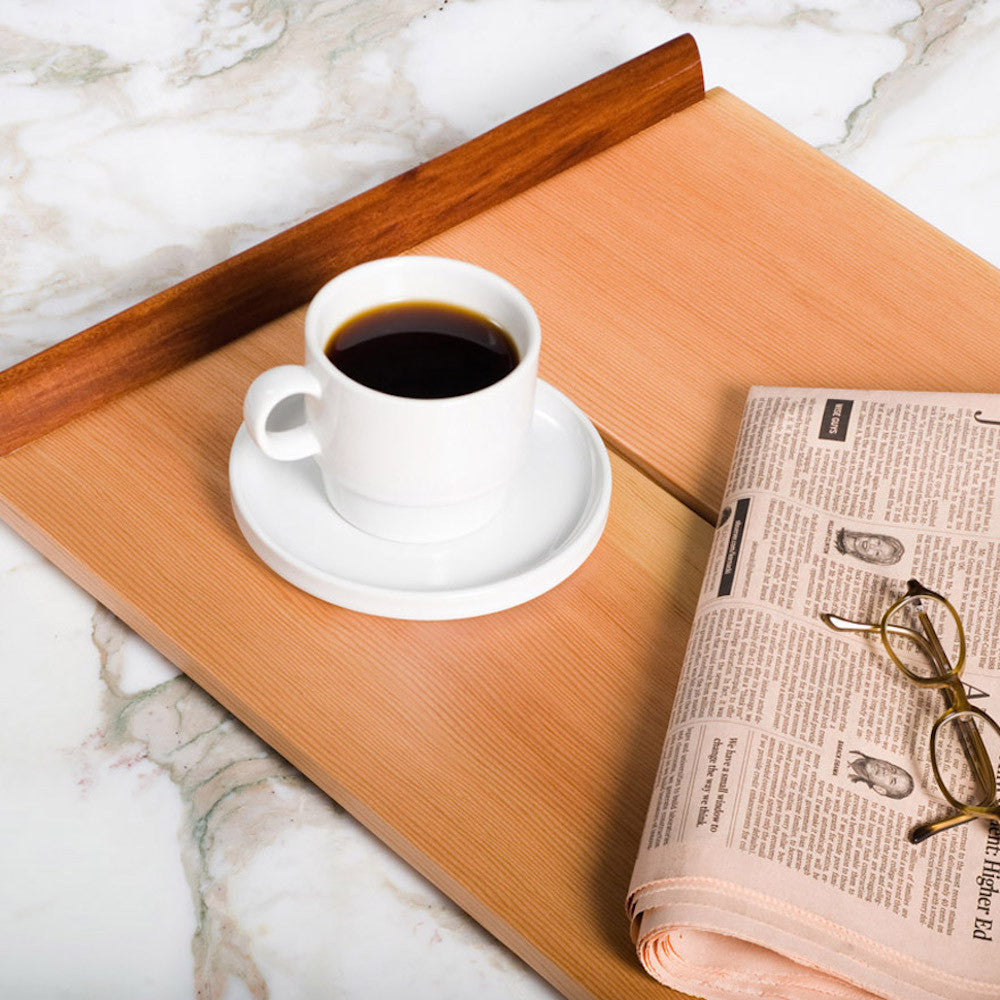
[923,635]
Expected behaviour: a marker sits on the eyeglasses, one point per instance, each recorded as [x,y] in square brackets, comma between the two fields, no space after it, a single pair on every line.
[923,635]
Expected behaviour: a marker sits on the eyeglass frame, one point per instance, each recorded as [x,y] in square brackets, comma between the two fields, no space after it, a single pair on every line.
[947,681]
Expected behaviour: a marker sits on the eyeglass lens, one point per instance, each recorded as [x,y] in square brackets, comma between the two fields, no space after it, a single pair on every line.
[923,635]
[966,749]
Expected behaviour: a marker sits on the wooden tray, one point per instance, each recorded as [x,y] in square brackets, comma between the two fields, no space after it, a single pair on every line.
[509,758]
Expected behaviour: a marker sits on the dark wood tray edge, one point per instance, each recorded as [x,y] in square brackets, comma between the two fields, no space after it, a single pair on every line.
[270,279]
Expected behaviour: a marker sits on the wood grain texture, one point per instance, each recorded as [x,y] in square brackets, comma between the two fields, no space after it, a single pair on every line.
[518,783]
[715,252]
[510,758]
[266,281]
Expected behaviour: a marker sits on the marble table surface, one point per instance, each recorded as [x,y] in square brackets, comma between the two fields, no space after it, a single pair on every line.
[150,846]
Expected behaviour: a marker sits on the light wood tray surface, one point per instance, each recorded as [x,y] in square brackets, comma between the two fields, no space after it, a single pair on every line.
[511,758]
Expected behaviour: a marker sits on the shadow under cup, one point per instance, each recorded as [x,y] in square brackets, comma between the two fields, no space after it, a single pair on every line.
[412,469]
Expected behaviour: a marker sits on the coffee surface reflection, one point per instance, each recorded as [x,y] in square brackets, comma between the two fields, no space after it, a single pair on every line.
[422,350]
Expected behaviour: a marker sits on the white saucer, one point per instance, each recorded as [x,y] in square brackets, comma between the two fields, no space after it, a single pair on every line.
[553,518]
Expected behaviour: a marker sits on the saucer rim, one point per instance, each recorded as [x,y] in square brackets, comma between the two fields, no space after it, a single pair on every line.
[450,603]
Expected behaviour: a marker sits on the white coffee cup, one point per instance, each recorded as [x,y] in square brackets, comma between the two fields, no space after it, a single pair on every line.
[413,470]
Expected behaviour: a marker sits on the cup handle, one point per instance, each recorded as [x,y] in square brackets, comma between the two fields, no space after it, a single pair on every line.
[264,394]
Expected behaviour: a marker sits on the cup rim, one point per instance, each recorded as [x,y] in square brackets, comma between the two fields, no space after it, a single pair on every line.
[315,350]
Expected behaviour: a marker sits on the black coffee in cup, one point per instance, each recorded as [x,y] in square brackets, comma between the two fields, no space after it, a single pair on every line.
[422,350]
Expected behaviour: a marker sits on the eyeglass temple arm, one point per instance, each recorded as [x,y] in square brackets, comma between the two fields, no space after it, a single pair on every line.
[940,657]
[839,624]
[921,833]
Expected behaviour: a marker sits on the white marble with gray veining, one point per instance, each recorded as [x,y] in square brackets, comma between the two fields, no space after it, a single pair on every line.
[149,845]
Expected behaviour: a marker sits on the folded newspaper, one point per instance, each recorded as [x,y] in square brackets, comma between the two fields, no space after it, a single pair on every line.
[775,860]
